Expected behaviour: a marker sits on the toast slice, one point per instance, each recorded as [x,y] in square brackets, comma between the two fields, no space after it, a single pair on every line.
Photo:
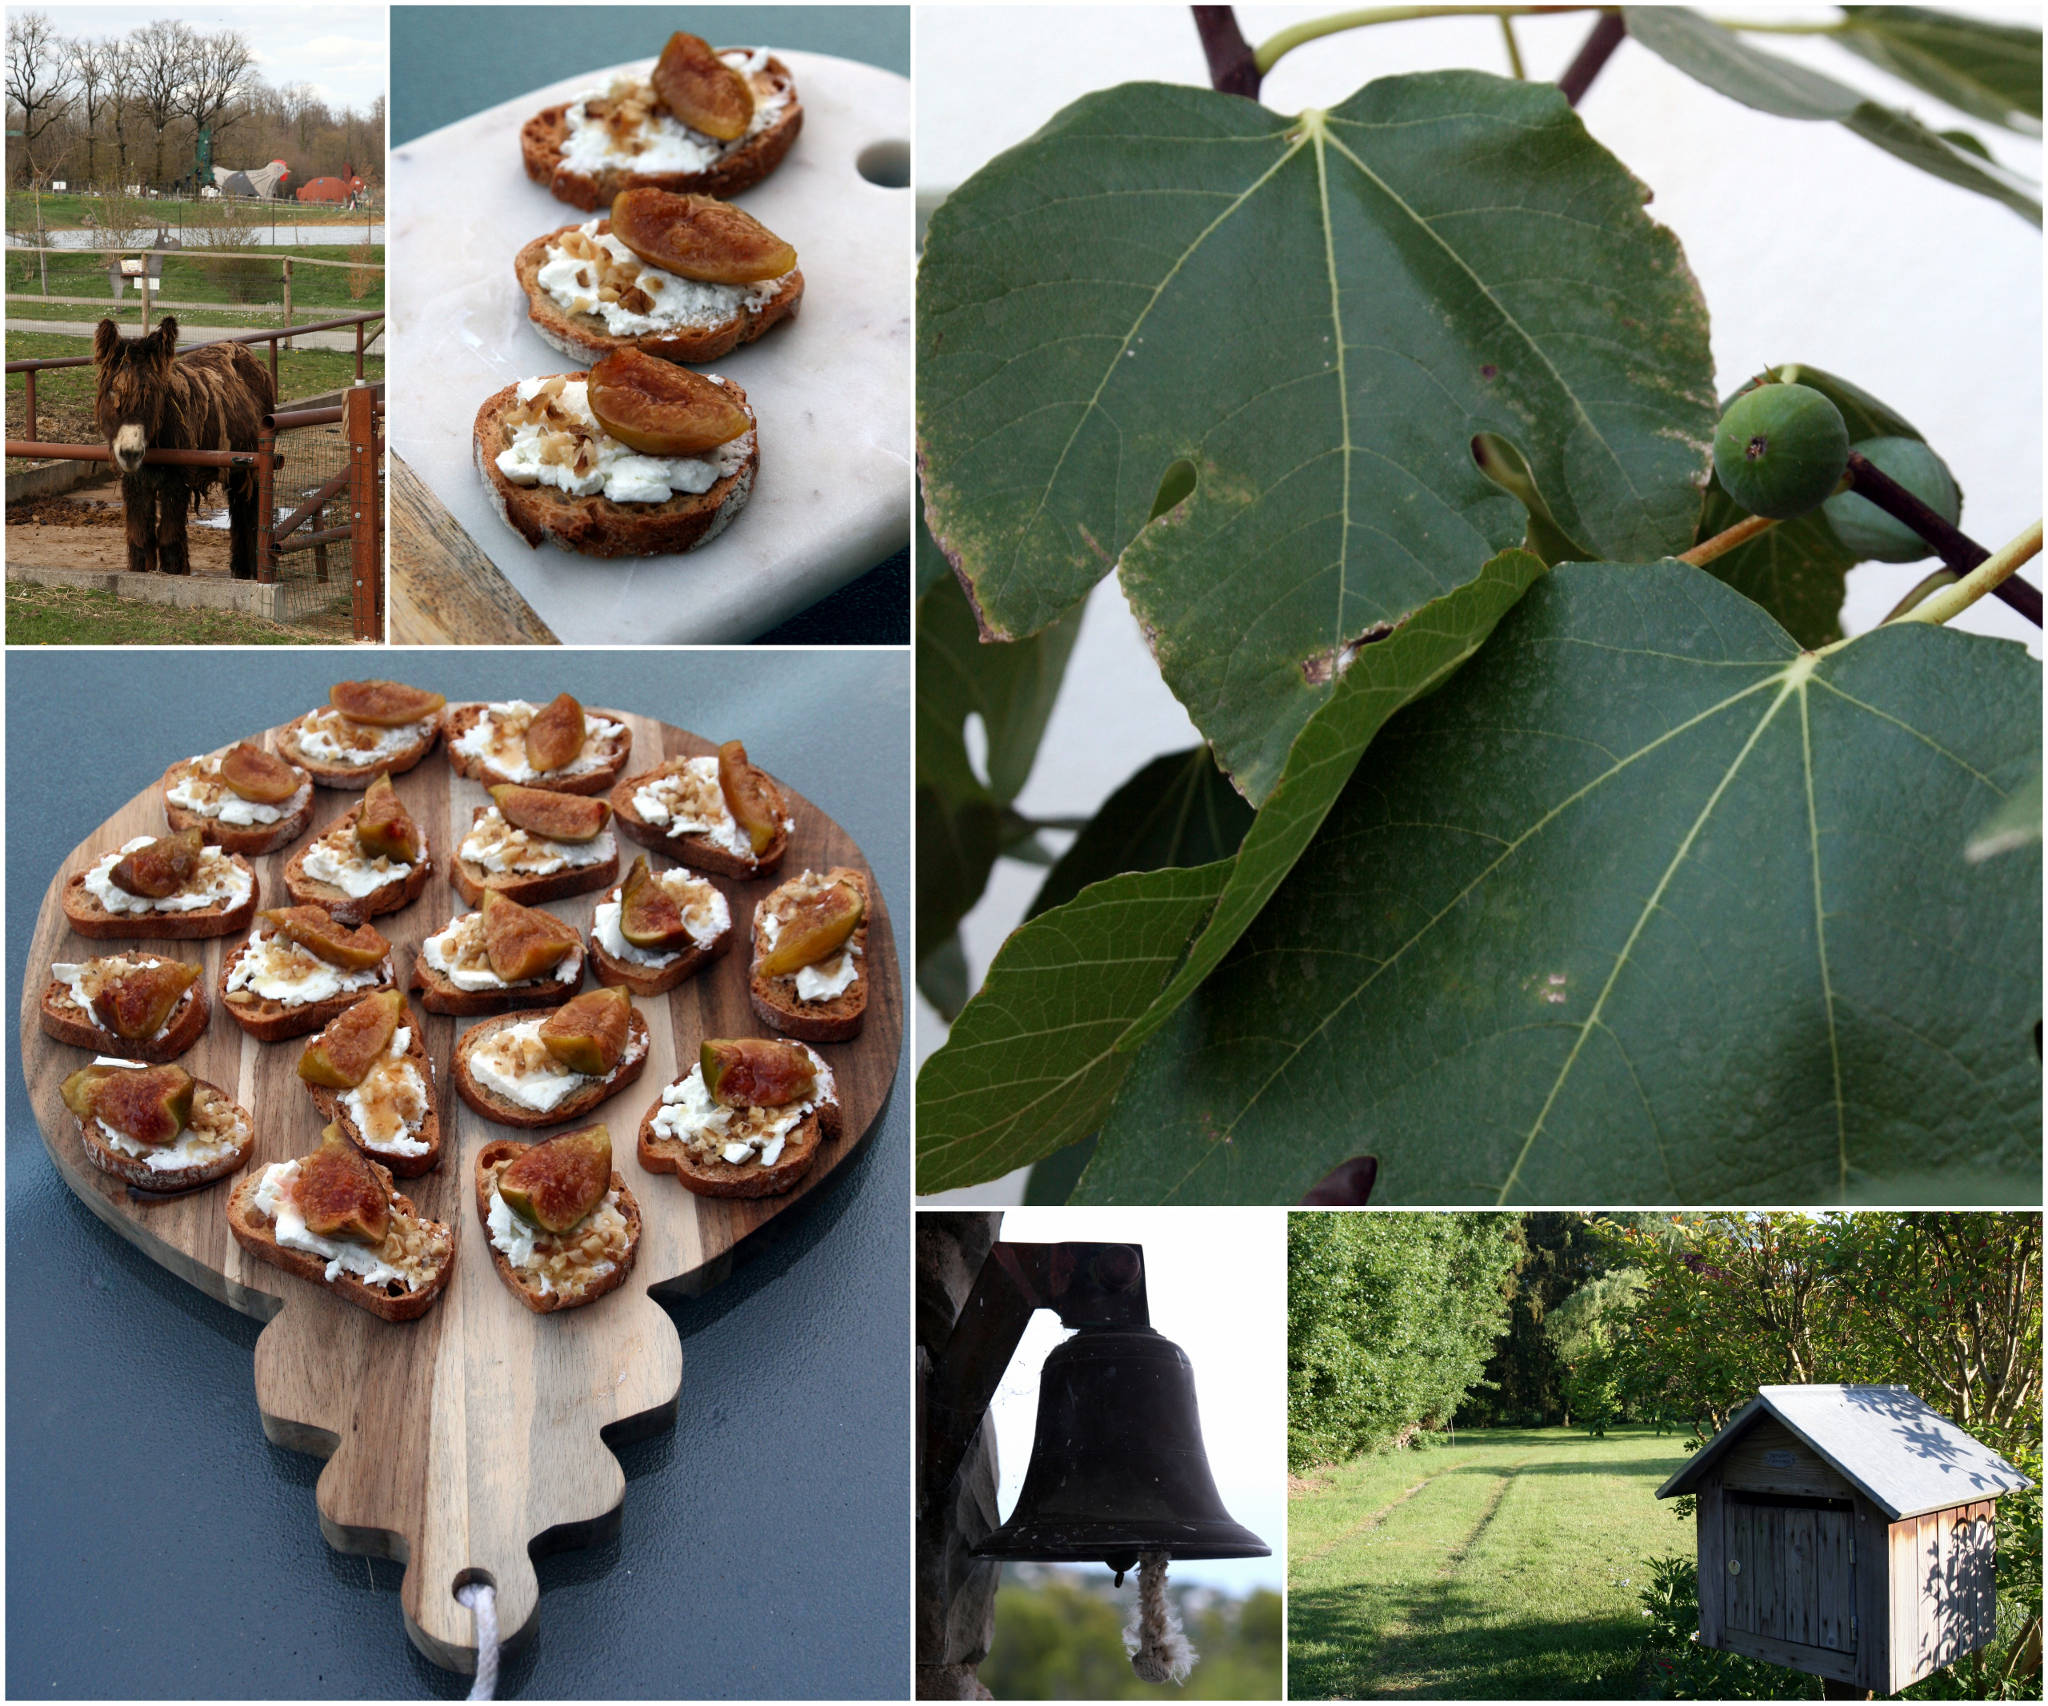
[776,1000]
[596,526]
[208,805]
[618,963]
[338,752]
[336,1108]
[579,1101]
[585,337]
[64,1016]
[273,1018]
[225,889]
[403,888]
[697,828]
[415,1247]
[440,993]
[669,1144]
[218,1141]
[729,168]
[607,744]
[471,877]
[559,1272]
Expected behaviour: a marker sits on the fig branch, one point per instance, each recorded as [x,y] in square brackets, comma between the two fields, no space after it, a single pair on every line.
[1994,572]
[1285,41]
[1727,540]
[1232,69]
[1956,549]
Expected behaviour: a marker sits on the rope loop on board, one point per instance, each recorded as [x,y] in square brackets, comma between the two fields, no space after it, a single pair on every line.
[1157,1644]
[482,1599]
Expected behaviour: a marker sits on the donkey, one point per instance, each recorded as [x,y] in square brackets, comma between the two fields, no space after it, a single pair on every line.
[213,399]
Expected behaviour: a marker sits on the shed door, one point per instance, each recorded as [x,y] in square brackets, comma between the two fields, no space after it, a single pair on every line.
[1789,1571]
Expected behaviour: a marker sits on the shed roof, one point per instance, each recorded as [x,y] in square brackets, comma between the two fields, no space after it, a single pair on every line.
[1887,1443]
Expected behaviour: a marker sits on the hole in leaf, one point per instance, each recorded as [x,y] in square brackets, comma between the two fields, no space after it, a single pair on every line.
[1175,486]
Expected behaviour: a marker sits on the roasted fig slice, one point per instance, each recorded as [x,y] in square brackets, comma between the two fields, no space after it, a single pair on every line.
[698,236]
[384,828]
[162,868]
[384,704]
[137,1003]
[339,1195]
[151,1104]
[819,927]
[555,736]
[523,941]
[660,409]
[748,795]
[588,1034]
[316,930]
[78,1088]
[341,1056]
[753,1072]
[258,776]
[559,817]
[701,90]
[648,914]
[556,1183]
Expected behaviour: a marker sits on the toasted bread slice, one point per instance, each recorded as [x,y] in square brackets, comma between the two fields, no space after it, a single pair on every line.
[222,916]
[532,887]
[693,848]
[397,751]
[713,1176]
[439,993]
[270,1020]
[389,1300]
[585,338]
[334,1109]
[775,999]
[596,526]
[214,1116]
[578,1102]
[737,167]
[611,754]
[356,909]
[558,1276]
[658,973]
[295,815]
[63,1018]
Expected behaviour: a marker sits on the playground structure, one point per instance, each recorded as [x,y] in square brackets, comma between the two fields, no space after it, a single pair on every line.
[264,183]
[348,190]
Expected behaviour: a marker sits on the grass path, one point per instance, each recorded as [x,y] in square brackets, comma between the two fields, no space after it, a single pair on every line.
[1504,1567]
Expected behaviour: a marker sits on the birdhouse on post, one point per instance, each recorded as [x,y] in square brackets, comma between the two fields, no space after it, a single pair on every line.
[1845,1531]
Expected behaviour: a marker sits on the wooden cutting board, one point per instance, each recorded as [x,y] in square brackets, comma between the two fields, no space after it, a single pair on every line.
[456,1442]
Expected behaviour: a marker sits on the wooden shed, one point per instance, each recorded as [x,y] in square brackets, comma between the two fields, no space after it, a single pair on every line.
[1845,1531]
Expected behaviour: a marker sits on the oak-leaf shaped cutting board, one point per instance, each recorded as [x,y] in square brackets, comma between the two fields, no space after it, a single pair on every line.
[458,1442]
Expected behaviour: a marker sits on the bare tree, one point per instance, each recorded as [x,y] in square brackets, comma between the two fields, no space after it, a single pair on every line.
[121,86]
[162,50]
[298,108]
[218,73]
[39,78]
[92,64]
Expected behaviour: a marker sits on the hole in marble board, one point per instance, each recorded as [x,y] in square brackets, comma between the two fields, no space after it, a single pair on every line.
[886,164]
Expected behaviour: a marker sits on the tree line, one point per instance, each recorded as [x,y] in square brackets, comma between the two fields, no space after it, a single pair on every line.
[110,112]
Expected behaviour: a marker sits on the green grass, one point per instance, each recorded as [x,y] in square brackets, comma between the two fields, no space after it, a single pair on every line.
[318,293]
[65,616]
[68,211]
[1504,1567]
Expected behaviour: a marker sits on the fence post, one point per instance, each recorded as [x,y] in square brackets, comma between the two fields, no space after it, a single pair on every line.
[288,344]
[145,299]
[359,352]
[266,504]
[29,397]
[366,545]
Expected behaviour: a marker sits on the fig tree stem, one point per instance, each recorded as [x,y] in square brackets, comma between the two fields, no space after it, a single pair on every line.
[1232,69]
[1958,550]
[1913,599]
[1607,35]
[1507,35]
[1987,576]
[1726,540]
[1285,41]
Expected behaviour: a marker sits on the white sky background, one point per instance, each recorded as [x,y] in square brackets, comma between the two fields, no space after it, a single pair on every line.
[1809,245]
[339,49]
[1216,1281]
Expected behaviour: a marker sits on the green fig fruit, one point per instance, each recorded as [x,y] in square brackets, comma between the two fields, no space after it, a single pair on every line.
[648,914]
[384,704]
[701,90]
[136,1003]
[521,942]
[556,1183]
[572,818]
[355,1039]
[150,1104]
[339,1195]
[1875,535]
[162,868]
[555,736]
[315,929]
[384,828]
[819,927]
[749,796]
[1780,450]
[754,1072]
[258,776]
[588,1033]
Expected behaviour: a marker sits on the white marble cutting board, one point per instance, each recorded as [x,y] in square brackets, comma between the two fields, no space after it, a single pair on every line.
[831,388]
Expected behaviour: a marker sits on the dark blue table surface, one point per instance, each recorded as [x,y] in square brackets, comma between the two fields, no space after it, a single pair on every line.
[158,1545]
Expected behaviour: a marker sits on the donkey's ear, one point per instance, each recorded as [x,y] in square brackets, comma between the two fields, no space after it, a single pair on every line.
[105,340]
[164,342]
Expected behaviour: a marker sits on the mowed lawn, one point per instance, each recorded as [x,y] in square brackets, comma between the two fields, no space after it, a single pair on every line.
[1504,1567]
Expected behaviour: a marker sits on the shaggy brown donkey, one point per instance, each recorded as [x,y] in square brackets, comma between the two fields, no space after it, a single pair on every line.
[213,399]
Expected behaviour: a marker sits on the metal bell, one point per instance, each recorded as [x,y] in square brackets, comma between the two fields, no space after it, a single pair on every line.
[1117,1465]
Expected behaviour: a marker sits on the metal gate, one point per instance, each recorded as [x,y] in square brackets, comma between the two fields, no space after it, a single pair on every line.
[324,503]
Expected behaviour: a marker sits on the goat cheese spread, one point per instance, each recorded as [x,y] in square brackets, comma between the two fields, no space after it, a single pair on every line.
[705,916]
[514,1063]
[201,792]
[498,738]
[330,738]
[497,846]
[279,969]
[459,954]
[517,1238]
[389,1107]
[83,982]
[273,1198]
[658,141]
[664,301]
[219,881]
[688,799]
[690,1117]
[592,461]
[337,860]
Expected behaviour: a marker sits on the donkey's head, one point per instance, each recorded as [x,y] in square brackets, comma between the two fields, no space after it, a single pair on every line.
[134,388]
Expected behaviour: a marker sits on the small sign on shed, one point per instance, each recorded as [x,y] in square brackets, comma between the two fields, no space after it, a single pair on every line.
[1846,1531]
